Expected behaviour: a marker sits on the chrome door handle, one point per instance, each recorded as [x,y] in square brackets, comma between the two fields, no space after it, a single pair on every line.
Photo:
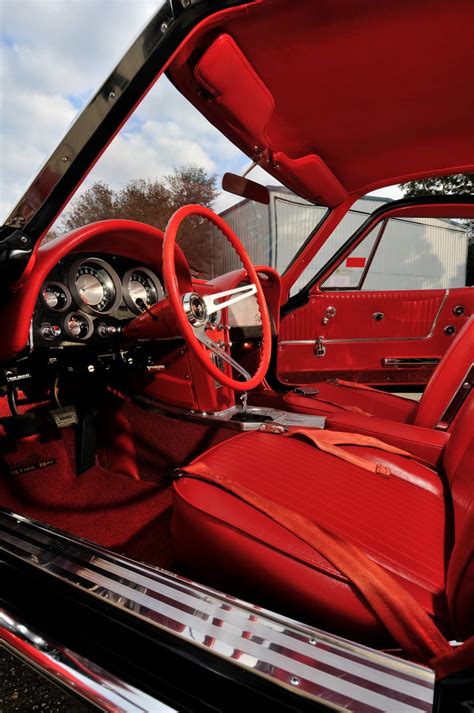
[319,347]
[329,314]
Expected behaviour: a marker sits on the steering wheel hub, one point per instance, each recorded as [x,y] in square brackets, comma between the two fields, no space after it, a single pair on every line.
[195,309]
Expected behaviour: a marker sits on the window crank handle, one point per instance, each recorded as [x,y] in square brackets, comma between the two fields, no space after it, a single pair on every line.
[329,314]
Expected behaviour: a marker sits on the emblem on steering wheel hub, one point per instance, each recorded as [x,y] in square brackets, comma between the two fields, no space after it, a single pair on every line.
[195,309]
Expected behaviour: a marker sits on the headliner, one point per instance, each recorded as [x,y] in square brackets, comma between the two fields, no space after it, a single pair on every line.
[381,92]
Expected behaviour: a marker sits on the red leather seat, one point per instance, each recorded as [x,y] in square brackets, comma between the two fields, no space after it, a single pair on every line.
[445,381]
[418,524]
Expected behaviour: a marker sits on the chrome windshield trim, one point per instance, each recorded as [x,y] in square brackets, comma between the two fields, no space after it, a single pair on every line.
[96,125]
[308,661]
[72,670]
[87,121]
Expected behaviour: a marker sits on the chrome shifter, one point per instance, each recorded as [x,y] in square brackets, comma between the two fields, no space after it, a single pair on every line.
[243,398]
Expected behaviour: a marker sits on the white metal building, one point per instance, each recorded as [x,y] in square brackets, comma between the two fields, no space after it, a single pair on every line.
[413,254]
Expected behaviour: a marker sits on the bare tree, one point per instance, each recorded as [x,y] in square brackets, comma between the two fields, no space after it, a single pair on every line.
[154,202]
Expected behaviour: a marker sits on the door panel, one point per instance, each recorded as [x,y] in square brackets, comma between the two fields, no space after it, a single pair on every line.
[366,329]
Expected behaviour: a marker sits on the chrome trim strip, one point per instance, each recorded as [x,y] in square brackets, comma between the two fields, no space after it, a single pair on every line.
[409,362]
[308,661]
[293,342]
[69,669]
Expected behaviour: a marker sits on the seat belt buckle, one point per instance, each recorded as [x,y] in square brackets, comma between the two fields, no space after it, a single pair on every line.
[272,428]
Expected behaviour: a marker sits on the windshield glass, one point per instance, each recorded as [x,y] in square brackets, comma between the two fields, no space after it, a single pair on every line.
[54,56]
[168,155]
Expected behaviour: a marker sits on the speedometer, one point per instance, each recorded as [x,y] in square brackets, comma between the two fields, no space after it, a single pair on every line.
[95,286]
[141,289]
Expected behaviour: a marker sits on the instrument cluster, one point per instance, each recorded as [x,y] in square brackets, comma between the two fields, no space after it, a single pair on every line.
[88,297]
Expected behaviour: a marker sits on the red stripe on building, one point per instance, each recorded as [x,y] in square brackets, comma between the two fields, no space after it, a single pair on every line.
[355,262]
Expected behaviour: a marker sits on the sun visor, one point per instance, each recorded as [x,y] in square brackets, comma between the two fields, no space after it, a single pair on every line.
[240,100]
[239,92]
[310,177]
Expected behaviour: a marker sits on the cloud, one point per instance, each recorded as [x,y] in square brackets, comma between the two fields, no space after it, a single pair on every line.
[53,55]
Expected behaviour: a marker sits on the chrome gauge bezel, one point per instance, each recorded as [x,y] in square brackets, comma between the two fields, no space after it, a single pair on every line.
[83,315]
[160,293]
[104,265]
[64,288]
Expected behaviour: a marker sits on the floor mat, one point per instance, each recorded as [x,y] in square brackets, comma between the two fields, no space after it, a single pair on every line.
[37,479]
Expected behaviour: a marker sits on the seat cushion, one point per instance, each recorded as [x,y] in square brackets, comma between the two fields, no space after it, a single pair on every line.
[331,397]
[400,521]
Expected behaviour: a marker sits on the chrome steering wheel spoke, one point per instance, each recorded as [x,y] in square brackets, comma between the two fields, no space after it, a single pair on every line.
[235,295]
[210,344]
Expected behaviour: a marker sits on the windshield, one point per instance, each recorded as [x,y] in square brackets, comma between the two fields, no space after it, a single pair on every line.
[54,55]
[168,155]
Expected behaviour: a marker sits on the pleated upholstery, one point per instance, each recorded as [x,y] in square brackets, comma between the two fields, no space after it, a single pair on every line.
[400,521]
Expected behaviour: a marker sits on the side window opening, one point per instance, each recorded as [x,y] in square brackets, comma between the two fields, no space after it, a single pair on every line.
[405,254]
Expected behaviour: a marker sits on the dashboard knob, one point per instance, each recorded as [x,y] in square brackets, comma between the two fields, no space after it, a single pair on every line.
[106,330]
[50,331]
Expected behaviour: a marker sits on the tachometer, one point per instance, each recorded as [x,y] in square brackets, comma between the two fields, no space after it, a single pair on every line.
[141,288]
[95,286]
[56,296]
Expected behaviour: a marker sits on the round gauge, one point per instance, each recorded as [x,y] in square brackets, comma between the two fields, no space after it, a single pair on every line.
[56,296]
[78,325]
[141,288]
[95,286]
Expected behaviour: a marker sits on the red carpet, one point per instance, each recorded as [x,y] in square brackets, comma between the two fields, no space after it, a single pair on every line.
[113,510]
[123,502]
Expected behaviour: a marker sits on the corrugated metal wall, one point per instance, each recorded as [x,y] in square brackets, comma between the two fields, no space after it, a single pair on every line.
[419,254]
[415,254]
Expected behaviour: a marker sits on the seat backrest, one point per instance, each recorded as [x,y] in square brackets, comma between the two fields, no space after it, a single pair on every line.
[459,469]
[447,377]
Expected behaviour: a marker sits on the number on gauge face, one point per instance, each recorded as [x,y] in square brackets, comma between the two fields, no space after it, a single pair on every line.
[141,288]
[95,286]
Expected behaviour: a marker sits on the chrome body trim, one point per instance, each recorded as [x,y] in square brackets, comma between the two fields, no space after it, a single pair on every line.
[319,666]
[74,671]
[293,342]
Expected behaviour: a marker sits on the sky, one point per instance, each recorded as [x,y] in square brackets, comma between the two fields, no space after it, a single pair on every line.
[54,55]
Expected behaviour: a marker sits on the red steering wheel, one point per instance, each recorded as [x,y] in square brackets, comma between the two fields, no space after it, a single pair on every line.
[194,310]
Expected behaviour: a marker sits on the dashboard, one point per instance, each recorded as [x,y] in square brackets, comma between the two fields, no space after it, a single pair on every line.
[87,297]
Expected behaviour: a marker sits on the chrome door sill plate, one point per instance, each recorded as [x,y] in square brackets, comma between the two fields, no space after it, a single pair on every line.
[68,668]
[275,416]
[310,662]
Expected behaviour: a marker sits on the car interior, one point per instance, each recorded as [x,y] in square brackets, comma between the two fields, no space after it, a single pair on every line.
[155,412]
